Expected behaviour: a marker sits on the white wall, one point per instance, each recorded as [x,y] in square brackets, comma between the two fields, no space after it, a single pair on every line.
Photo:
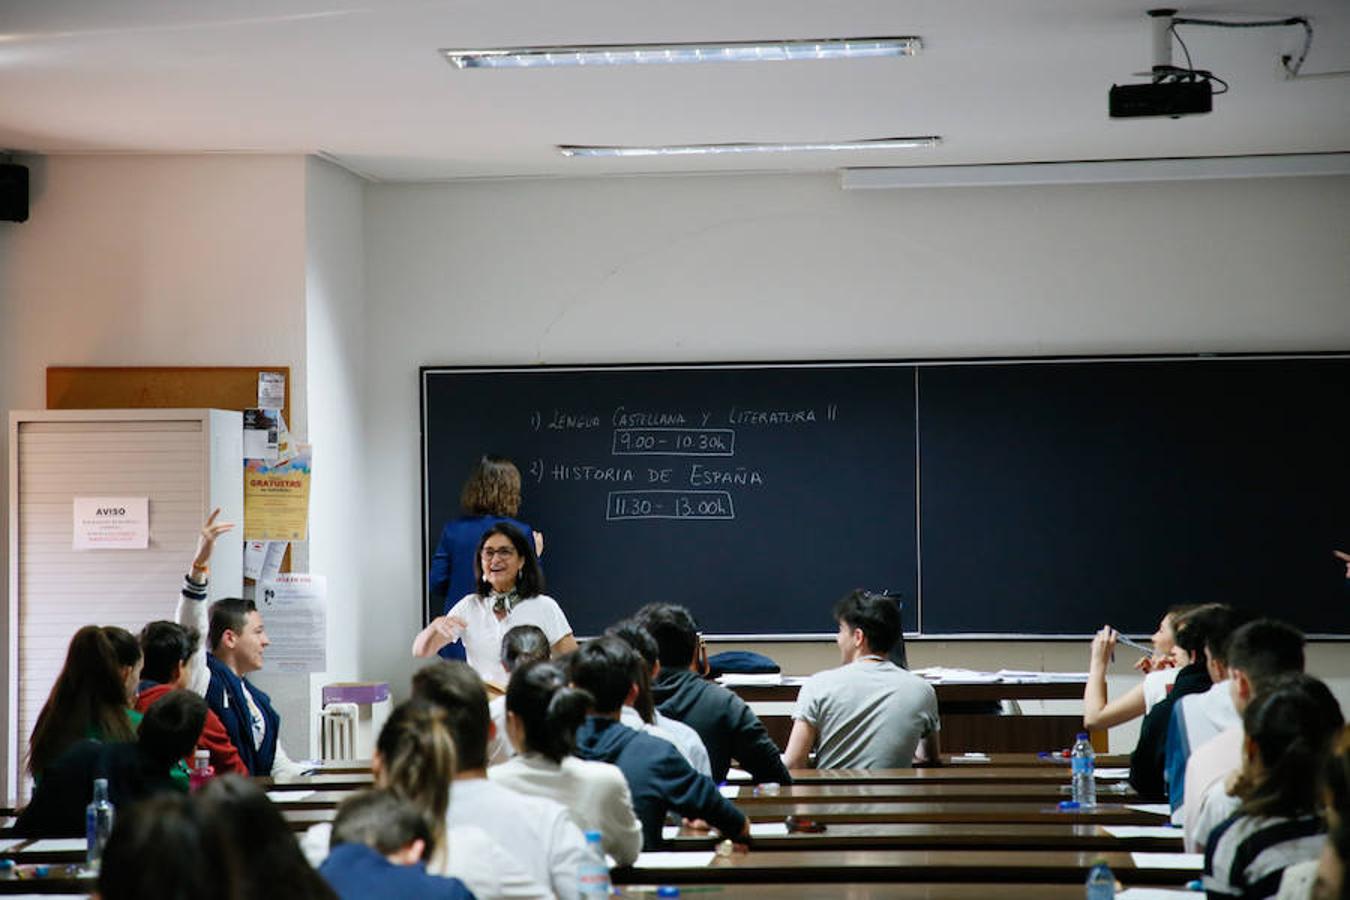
[237,260]
[335,308]
[152,261]
[791,267]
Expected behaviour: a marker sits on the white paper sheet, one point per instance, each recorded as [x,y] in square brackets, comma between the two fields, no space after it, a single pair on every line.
[674,860]
[730,791]
[295,613]
[288,796]
[1160,809]
[1190,861]
[262,559]
[768,829]
[735,774]
[9,844]
[1137,893]
[1112,774]
[1142,831]
[735,678]
[272,389]
[57,845]
[261,433]
[110,523]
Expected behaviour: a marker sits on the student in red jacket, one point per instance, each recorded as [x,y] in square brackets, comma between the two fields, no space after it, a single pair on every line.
[167,647]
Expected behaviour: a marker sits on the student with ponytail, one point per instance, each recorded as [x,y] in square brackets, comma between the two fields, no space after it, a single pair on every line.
[1289,731]
[414,760]
[542,717]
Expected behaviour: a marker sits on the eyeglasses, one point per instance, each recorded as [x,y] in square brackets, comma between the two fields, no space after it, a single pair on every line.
[502,552]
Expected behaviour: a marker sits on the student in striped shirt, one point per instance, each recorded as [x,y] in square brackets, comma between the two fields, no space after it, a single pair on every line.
[1289,730]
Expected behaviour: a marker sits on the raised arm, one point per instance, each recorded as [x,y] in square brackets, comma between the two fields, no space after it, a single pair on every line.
[1098,714]
[191,611]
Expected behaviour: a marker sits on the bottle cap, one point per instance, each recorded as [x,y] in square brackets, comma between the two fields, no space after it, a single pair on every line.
[667,890]
[1069,804]
[1082,735]
[202,755]
[593,836]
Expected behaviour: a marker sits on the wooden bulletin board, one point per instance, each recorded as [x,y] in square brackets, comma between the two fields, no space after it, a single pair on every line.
[162,387]
[159,387]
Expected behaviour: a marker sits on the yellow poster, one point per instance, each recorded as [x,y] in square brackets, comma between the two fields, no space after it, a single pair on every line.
[276,498]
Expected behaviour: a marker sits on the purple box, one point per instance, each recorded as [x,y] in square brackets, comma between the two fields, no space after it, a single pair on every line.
[363,692]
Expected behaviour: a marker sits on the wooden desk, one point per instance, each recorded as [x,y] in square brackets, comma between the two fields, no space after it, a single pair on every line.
[994,866]
[943,813]
[927,836]
[961,730]
[1046,792]
[873,891]
[963,773]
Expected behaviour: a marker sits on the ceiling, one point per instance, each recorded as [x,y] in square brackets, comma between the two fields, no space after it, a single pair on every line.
[361,82]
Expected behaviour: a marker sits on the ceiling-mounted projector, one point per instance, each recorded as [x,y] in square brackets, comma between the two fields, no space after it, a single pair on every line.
[1173,92]
[1169,98]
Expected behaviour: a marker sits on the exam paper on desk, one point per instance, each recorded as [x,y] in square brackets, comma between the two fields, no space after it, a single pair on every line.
[288,796]
[1194,861]
[1142,831]
[662,859]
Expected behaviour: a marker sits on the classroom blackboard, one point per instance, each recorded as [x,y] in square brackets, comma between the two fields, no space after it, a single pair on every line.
[996,497]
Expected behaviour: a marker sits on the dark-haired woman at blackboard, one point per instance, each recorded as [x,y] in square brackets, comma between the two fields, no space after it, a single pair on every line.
[489,496]
[509,592]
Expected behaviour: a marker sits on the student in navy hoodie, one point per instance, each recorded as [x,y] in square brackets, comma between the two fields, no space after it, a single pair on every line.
[659,778]
[376,852]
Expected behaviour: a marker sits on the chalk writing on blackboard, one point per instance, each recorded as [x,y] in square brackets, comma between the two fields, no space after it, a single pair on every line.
[674,442]
[692,505]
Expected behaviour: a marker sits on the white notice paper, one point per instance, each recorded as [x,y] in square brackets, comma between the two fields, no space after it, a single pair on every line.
[111,523]
[678,859]
[768,829]
[730,791]
[10,844]
[1194,861]
[295,615]
[261,433]
[272,389]
[1112,774]
[288,796]
[262,559]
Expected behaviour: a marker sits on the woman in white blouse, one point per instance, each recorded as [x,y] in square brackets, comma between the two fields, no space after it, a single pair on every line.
[509,592]
[542,717]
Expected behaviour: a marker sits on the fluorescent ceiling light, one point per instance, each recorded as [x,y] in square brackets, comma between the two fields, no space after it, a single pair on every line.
[1100,172]
[896,143]
[666,54]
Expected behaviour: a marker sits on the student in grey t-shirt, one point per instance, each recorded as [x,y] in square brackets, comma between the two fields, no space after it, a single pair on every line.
[869,713]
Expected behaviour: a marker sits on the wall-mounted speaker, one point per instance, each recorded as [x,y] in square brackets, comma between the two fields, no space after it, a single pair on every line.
[13,192]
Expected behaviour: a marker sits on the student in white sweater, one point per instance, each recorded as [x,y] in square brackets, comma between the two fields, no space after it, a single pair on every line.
[542,716]
[414,759]
[520,645]
[537,831]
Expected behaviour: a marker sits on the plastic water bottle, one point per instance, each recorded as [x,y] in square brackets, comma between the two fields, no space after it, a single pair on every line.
[98,824]
[202,770]
[592,873]
[1084,779]
[1101,882]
